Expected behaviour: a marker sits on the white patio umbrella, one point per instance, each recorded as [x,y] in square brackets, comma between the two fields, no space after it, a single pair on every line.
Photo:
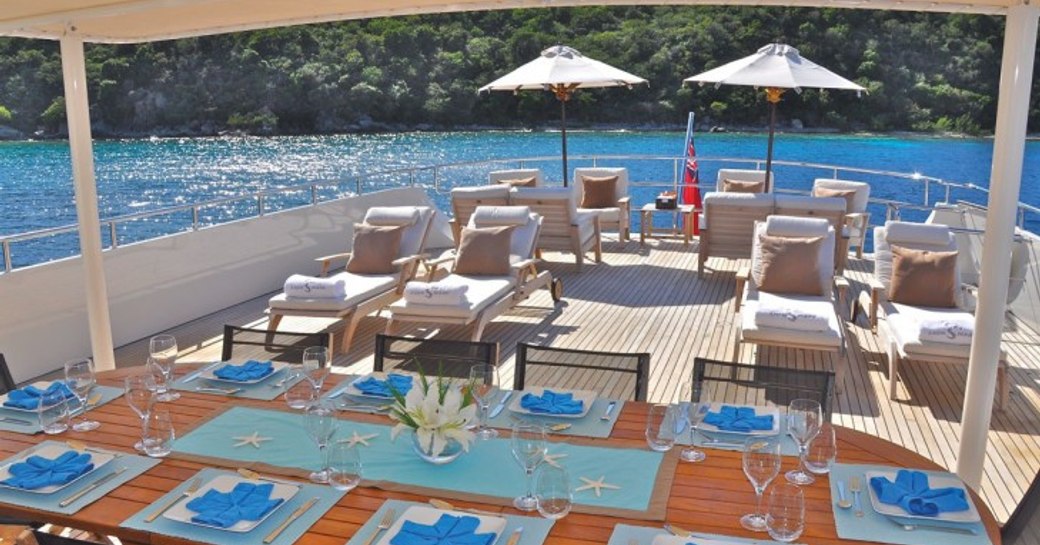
[777,67]
[562,70]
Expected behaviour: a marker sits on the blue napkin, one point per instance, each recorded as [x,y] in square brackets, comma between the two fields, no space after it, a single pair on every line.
[250,370]
[38,472]
[911,492]
[29,397]
[551,402]
[375,387]
[449,530]
[738,419]
[247,501]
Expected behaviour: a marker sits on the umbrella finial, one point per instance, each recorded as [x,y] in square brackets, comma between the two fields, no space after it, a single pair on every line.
[773,94]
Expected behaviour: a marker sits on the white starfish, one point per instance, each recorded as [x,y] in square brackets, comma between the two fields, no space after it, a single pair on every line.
[553,459]
[255,439]
[596,485]
[356,439]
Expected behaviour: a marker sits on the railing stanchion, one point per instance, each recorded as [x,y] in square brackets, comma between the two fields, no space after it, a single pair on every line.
[260,204]
[7,256]
[112,234]
[195,218]
[947,198]
[314,194]
[927,186]
[359,185]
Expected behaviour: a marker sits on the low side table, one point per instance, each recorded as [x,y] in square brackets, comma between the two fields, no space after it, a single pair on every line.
[682,212]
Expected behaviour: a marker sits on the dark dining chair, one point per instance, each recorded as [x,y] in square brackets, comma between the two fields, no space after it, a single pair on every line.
[1023,527]
[241,343]
[613,367]
[7,382]
[432,356]
[738,383]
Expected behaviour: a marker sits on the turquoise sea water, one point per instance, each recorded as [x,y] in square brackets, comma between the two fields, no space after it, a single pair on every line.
[141,175]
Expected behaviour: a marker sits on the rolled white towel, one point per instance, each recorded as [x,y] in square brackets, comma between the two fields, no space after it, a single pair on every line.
[435,293]
[952,328]
[299,286]
[790,317]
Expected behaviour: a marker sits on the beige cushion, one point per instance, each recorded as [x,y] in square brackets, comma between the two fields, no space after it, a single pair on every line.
[789,265]
[480,293]
[829,339]
[484,251]
[848,194]
[519,182]
[360,287]
[606,215]
[375,249]
[598,192]
[902,326]
[739,186]
[923,278]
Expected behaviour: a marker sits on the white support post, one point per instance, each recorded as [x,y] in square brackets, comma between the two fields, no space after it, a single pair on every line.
[77,111]
[1016,76]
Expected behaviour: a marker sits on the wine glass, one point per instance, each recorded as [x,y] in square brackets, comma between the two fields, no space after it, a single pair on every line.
[528,446]
[761,463]
[140,396]
[483,380]
[158,434]
[344,466]
[694,407]
[785,516]
[822,451]
[316,365]
[553,491]
[163,352]
[663,423]
[320,420]
[79,376]
[803,423]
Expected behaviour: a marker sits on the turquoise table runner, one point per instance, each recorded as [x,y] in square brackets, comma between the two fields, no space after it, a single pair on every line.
[588,426]
[108,393]
[487,473]
[625,534]
[135,465]
[735,441]
[536,529]
[326,495]
[266,390]
[873,526]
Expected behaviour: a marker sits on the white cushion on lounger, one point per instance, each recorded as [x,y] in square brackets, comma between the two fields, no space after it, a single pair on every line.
[829,339]
[392,215]
[497,191]
[605,214]
[793,312]
[917,233]
[415,218]
[584,222]
[482,291]
[359,288]
[904,325]
[496,216]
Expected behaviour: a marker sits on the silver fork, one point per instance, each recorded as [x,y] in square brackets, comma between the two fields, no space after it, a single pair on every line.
[384,524]
[216,390]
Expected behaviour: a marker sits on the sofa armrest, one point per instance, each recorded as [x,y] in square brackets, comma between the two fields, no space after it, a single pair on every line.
[877,294]
[743,274]
[326,261]
[841,284]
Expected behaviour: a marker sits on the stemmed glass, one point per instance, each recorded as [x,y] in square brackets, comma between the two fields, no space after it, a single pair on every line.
[694,408]
[803,423]
[140,396]
[483,380]
[528,445]
[316,365]
[553,491]
[79,376]
[162,350]
[785,516]
[761,463]
[320,420]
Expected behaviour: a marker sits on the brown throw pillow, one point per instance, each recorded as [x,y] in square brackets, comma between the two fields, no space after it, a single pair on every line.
[789,265]
[520,182]
[484,251]
[740,186]
[598,192]
[922,278]
[848,194]
[375,249]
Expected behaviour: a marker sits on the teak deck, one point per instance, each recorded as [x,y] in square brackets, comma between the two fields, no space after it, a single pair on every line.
[649,299]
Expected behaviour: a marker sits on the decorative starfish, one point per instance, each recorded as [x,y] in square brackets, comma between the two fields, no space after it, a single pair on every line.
[255,439]
[596,485]
[553,459]
[356,439]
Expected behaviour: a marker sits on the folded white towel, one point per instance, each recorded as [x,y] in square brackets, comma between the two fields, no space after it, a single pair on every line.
[952,328]
[299,286]
[435,293]
[789,317]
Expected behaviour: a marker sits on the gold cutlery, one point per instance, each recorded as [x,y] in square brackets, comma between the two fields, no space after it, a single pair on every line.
[515,537]
[384,524]
[856,487]
[610,409]
[254,476]
[676,531]
[936,527]
[80,446]
[633,542]
[215,390]
[192,488]
[91,402]
[441,504]
[292,518]
[69,500]
[559,427]
[843,499]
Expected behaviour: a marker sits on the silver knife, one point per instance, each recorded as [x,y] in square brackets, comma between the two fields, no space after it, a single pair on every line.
[610,409]
[68,501]
[12,420]
[501,405]
[515,537]
[198,373]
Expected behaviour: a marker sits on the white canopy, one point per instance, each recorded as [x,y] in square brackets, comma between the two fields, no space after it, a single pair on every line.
[775,65]
[563,66]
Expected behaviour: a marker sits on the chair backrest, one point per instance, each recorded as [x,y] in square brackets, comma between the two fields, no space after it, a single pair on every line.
[831,209]
[464,200]
[742,175]
[7,382]
[566,363]
[620,190]
[859,201]
[241,343]
[917,236]
[525,236]
[795,227]
[763,385]
[731,218]
[433,356]
[495,176]
[1023,527]
[554,204]
[417,220]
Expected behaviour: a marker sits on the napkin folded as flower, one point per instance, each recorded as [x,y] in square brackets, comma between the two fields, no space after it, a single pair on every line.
[911,492]
[448,530]
[38,472]
[739,419]
[375,387]
[250,370]
[247,501]
[29,397]
[551,402]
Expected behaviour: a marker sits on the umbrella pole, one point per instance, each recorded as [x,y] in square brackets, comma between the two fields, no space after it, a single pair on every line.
[773,97]
[563,136]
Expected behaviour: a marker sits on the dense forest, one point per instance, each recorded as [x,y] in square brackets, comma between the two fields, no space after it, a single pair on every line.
[925,72]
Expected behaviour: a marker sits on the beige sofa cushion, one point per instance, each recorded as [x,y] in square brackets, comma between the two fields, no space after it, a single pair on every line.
[848,194]
[923,278]
[789,265]
[519,182]
[740,186]
[484,251]
[598,192]
[375,249]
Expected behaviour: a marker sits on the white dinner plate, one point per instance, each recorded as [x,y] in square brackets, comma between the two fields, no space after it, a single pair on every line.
[52,451]
[587,397]
[429,515]
[276,367]
[934,481]
[226,483]
[352,390]
[43,385]
[759,411]
[668,539]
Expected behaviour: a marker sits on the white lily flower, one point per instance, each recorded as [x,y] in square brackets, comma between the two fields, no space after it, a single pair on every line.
[435,423]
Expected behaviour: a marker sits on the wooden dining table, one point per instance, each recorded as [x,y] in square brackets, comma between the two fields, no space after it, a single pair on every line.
[709,496]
